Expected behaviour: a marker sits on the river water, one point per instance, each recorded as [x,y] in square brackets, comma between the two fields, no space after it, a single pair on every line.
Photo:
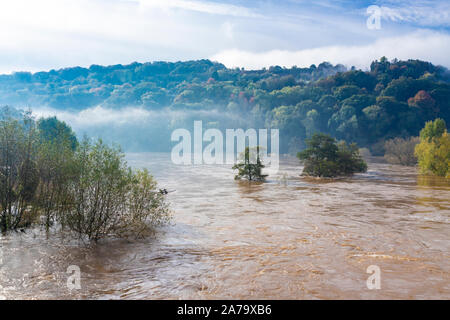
[288,238]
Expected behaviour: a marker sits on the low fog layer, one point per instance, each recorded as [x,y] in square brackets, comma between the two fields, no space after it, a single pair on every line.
[136,129]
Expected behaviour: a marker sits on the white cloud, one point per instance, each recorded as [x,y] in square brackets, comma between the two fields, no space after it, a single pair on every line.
[97,116]
[422,13]
[47,34]
[425,45]
[227,29]
[128,115]
[39,35]
[201,6]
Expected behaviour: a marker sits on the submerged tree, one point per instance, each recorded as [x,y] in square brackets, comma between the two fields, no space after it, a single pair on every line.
[433,151]
[57,168]
[109,199]
[250,165]
[18,173]
[87,188]
[324,157]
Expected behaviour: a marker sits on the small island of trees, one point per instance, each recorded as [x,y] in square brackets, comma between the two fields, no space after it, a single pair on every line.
[325,157]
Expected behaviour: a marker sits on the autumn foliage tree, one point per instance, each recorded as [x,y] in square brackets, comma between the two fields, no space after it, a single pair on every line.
[433,151]
[424,101]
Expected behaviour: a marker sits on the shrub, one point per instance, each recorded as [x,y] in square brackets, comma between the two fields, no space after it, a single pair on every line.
[401,151]
[109,199]
[147,207]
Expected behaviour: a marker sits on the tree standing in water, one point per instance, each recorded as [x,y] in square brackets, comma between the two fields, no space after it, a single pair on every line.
[250,167]
[325,157]
[87,188]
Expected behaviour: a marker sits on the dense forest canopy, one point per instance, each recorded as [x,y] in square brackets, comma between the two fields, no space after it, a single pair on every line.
[394,98]
[152,85]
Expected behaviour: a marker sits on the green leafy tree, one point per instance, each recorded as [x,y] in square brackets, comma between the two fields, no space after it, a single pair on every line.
[345,91]
[52,129]
[109,199]
[433,151]
[57,168]
[433,129]
[18,174]
[324,157]
[85,188]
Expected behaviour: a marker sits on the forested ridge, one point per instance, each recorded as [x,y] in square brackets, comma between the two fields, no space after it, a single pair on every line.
[151,85]
[394,98]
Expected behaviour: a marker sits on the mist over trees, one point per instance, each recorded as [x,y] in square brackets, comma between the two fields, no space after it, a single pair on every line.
[151,85]
[392,99]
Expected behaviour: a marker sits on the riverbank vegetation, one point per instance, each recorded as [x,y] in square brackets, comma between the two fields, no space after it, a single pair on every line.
[49,178]
[433,151]
[401,151]
[325,157]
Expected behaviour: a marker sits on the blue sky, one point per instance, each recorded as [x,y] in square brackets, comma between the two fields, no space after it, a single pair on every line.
[46,34]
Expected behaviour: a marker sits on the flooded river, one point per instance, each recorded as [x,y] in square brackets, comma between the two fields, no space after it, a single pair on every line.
[288,238]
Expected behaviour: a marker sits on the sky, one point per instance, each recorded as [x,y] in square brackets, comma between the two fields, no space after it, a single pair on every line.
[52,34]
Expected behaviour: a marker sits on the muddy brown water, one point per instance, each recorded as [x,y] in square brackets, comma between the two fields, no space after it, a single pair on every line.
[288,238]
